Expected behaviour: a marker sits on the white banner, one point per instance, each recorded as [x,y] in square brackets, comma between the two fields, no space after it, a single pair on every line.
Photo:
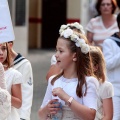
[6,28]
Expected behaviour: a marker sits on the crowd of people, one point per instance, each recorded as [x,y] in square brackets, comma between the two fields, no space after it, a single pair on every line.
[86,68]
[83,79]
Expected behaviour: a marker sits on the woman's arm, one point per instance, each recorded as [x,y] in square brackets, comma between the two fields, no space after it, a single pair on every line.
[16,95]
[90,37]
[108,109]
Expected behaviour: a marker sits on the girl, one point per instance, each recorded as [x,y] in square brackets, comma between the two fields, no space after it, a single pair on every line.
[13,80]
[105,104]
[111,51]
[54,68]
[75,87]
[5,98]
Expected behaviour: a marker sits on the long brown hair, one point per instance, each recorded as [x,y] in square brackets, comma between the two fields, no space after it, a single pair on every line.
[7,62]
[83,65]
[99,62]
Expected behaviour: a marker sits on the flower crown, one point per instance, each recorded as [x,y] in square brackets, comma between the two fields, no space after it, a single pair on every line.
[79,42]
[76,25]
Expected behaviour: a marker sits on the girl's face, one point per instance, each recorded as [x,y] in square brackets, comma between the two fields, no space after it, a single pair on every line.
[3,52]
[106,7]
[63,54]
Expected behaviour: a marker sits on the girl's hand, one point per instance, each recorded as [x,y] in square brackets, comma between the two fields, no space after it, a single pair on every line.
[59,92]
[52,107]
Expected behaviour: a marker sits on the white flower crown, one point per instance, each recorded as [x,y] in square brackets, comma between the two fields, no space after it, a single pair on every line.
[76,25]
[79,42]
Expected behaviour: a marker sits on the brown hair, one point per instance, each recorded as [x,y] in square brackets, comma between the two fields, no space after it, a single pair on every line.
[83,65]
[98,4]
[99,62]
[7,62]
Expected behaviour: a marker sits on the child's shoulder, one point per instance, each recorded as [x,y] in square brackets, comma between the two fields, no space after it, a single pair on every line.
[106,85]
[92,80]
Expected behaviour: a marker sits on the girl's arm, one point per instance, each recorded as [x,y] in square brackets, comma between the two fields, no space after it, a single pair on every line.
[49,109]
[16,96]
[90,37]
[80,110]
[108,109]
[2,78]
[87,110]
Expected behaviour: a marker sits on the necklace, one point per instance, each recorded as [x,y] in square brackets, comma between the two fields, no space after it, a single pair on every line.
[66,81]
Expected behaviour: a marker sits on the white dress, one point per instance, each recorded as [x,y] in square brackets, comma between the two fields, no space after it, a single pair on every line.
[105,91]
[12,77]
[5,97]
[69,86]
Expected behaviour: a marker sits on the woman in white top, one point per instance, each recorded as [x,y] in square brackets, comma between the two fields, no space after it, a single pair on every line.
[5,98]
[105,94]
[75,87]
[13,81]
[104,25]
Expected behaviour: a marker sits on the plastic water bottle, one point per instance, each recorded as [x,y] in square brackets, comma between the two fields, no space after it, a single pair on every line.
[59,114]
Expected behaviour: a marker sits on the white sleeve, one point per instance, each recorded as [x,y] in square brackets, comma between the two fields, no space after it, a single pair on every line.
[18,78]
[107,90]
[5,104]
[48,94]
[2,78]
[89,26]
[90,100]
[27,91]
[53,60]
[112,59]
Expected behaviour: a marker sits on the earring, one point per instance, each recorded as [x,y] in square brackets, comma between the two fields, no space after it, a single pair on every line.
[74,59]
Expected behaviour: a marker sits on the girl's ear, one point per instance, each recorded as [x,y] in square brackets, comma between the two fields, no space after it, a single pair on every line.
[95,68]
[74,57]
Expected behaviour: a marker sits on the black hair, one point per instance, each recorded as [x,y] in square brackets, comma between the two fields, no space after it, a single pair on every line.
[118,20]
[118,3]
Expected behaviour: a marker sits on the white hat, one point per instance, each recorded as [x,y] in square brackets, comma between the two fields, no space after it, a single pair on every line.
[6,28]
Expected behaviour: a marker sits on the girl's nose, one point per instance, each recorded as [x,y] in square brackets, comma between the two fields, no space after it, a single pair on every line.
[1,52]
[56,54]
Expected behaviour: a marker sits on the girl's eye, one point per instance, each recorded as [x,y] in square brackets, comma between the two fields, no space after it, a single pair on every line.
[4,48]
[61,51]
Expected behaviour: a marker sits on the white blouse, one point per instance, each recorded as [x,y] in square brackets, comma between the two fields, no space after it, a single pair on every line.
[13,77]
[100,32]
[69,86]
[105,91]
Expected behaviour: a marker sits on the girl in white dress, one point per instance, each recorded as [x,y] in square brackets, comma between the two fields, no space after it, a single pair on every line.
[5,98]
[105,103]
[75,87]
[13,81]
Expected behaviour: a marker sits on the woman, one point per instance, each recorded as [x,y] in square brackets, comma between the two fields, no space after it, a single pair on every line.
[104,25]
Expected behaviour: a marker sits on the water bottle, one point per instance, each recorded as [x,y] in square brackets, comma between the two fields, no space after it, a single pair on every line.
[59,114]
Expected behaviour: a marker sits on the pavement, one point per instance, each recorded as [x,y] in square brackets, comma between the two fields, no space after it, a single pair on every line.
[40,61]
